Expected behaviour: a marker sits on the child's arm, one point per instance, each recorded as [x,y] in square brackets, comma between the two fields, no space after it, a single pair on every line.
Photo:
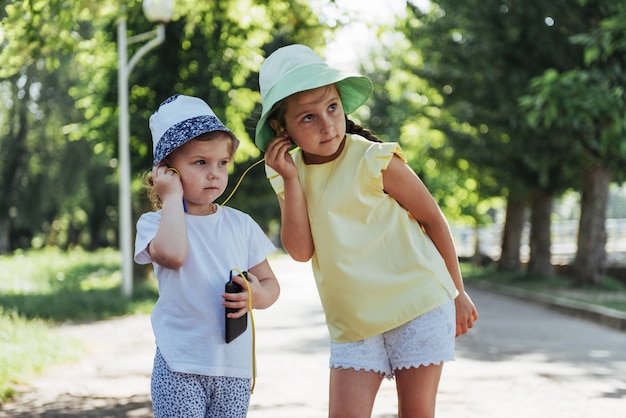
[401,182]
[295,232]
[264,286]
[169,247]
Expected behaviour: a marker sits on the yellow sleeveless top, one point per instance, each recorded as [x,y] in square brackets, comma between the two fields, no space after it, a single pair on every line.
[374,266]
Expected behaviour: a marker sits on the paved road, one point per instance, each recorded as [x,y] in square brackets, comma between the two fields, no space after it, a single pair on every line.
[521,360]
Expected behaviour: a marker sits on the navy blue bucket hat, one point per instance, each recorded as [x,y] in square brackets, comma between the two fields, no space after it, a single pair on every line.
[180,119]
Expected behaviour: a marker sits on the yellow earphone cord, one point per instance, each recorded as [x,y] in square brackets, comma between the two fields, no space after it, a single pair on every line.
[246,172]
[247,284]
[240,273]
[240,180]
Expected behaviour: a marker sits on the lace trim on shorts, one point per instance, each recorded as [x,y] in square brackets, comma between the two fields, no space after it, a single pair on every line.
[425,340]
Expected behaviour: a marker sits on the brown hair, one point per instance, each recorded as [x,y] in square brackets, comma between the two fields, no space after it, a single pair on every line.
[148,182]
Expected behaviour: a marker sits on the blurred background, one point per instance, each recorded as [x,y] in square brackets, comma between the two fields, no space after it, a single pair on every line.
[511,112]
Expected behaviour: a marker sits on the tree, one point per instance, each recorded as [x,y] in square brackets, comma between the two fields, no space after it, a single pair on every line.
[48,57]
[404,108]
[59,130]
[588,102]
[481,56]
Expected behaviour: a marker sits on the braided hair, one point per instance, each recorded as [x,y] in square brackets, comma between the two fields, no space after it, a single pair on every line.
[353,128]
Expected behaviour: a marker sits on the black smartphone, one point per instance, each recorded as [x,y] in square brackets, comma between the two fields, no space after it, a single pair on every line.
[234,326]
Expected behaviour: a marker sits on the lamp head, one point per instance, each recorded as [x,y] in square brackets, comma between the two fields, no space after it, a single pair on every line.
[160,11]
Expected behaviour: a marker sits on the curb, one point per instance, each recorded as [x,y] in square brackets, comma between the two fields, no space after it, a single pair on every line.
[611,318]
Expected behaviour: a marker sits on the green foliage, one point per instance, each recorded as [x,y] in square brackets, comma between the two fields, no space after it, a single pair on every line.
[58,130]
[404,108]
[39,288]
[28,347]
[610,293]
[41,190]
[480,57]
[587,101]
[78,285]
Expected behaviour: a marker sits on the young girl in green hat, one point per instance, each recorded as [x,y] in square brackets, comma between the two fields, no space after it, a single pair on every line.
[382,253]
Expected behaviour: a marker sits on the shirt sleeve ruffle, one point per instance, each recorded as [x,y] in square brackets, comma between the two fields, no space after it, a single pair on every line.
[378,157]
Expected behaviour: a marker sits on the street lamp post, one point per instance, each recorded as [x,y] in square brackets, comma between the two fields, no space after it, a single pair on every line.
[156,11]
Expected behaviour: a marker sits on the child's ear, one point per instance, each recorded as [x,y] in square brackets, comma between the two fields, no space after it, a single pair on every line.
[276,126]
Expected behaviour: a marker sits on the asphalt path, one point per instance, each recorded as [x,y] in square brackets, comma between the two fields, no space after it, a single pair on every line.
[520,360]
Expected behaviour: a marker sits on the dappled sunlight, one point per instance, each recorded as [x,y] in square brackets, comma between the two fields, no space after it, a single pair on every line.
[76,285]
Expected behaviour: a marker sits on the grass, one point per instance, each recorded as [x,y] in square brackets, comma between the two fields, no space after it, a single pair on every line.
[28,347]
[610,293]
[40,290]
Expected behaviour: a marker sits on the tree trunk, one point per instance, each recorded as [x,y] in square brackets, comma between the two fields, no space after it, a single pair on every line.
[590,261]
[14,158]
[4,236]
[512,234]
[477,258]
[540,241]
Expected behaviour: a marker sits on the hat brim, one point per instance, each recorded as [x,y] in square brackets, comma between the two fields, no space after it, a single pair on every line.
[354,90]
[186,130]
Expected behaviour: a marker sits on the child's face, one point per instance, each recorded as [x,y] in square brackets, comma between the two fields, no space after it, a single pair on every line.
[203,167]
[315,121]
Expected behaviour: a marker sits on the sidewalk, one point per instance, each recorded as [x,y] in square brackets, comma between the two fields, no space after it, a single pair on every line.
[112,380]
[521,360]
[601,315]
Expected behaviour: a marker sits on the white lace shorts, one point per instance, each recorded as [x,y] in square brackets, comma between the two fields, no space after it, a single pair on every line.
[427,339]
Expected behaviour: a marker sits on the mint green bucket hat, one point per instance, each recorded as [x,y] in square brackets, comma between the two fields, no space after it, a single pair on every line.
[296,68]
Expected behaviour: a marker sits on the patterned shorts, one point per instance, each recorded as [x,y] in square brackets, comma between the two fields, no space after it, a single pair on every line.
[427,339]
[183,395]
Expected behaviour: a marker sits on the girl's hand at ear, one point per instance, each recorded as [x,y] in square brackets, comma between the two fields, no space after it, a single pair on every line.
[278,158]
[167,182]
[170,245]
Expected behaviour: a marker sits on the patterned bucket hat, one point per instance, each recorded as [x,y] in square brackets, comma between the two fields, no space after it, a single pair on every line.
[180,119]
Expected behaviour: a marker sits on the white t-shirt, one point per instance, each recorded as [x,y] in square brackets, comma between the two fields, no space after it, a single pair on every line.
[188,318]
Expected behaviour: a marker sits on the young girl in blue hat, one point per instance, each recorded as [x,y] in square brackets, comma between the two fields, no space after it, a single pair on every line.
[382,253]
[194,245]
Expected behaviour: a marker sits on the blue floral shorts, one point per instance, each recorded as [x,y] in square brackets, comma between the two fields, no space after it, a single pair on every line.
[183,395]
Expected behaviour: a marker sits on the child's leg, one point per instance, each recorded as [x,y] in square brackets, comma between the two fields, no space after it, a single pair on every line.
[357,369]
[352,392]
[417,391]
[175,395]
[230,397]
[182,395]
[417,351]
